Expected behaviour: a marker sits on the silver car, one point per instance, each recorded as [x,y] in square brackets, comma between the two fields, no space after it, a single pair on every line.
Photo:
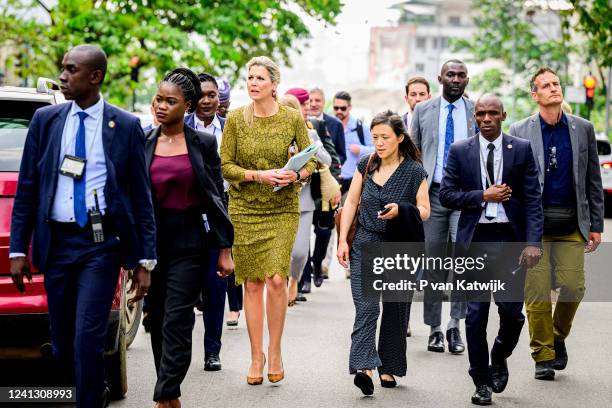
[605,160]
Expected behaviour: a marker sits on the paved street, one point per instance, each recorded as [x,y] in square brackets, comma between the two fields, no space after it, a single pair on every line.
[316,344]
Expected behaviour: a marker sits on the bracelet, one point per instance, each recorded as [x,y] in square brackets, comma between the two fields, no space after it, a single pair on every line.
[298,175]
[258,174]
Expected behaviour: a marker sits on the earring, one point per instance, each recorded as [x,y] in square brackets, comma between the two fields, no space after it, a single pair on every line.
[274,93]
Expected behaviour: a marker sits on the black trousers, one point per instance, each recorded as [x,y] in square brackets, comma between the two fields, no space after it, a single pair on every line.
[176,285]
[502,260]
[234,294]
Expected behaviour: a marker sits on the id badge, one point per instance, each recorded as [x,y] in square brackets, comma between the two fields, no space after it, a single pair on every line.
[491,210]
[95,218]
[73,167]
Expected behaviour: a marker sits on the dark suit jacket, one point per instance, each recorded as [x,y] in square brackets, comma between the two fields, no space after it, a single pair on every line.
[202,149]
[462,189]
[424,130]
[585,167]
[190,121]
[407,226]
[336,130]
[127,190]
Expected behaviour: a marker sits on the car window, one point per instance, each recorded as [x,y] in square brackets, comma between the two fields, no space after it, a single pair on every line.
[15,118]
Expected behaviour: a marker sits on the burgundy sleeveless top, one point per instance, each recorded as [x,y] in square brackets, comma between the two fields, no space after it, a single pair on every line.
[174,183]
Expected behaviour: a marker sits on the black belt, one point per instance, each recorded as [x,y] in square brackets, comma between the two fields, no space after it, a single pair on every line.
[75,228]
[434,184]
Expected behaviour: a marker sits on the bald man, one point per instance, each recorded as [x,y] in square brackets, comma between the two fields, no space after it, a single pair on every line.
[493,180]
[83,200]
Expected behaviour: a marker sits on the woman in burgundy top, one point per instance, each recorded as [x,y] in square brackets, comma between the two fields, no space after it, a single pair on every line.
[191,219]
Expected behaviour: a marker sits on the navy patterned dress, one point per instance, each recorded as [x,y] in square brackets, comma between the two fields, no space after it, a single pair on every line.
[390,358]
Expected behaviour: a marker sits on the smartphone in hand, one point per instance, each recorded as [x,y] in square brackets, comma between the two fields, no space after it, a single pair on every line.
[384,211]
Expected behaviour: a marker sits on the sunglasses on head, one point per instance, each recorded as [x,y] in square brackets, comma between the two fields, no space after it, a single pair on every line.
[340,108]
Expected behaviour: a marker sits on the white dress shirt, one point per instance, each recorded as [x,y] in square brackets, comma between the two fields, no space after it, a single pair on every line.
[408,120]
[214,128]
[460,127]
[498,167]
[95,168]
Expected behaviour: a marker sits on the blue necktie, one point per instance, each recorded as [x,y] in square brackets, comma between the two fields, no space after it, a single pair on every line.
[449,136]
[80,209]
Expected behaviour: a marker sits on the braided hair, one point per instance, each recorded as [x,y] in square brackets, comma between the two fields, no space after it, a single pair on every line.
[188,82]
[205,77]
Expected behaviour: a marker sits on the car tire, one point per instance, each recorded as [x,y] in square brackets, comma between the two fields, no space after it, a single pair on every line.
[133,314]
[116,363]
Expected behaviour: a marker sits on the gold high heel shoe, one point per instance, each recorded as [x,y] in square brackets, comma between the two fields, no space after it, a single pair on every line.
[257,380]
[276,377]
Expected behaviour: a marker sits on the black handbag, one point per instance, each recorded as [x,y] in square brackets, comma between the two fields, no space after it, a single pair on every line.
[559,220]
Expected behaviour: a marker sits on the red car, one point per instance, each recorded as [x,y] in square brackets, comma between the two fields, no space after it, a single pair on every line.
[23,317]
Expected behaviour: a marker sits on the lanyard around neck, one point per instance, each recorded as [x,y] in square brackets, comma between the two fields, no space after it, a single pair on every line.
[499,165]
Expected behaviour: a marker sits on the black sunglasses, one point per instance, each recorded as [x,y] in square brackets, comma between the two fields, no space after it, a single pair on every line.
[340,108]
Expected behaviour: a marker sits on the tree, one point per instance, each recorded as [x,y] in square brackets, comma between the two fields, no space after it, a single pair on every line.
[595,23]
[212,35]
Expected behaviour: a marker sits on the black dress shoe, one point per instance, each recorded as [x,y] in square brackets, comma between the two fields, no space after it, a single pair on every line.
[212,363]
[300,297]
[436,342]
[482,396]
[560,355]
[106,398]
[499,375]
[455,344]
[306,287]
[318,281]
[544,370]
[388,383]
[364,383]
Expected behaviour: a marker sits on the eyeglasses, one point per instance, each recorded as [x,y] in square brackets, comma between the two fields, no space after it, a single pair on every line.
[340,108]
[552,158]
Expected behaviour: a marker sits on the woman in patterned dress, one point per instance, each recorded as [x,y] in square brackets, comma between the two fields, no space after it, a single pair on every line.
[395,175]
[255,146]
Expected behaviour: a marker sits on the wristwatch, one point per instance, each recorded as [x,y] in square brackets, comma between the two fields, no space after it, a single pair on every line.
[297,173]
[148,264]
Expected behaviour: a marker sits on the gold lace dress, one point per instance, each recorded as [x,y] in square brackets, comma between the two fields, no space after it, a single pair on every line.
[265,222]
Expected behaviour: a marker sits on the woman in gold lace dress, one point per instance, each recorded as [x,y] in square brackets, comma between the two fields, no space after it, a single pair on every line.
[255,146]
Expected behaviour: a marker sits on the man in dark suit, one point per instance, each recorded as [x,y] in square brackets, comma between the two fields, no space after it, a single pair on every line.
[333,125]
[492,179]
[325,233]
[83,170]
[566,157]
[206,119]
[435,125]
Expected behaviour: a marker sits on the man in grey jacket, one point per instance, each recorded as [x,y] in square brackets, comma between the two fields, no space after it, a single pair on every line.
[565,153]
[436,124]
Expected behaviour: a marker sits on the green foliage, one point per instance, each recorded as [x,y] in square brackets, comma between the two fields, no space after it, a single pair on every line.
[595,21]
[506,34]
[217,36]
[501,27]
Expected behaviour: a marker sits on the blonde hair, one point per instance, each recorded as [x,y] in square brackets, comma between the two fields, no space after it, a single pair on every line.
[273,71]
[291,101]
[566,107]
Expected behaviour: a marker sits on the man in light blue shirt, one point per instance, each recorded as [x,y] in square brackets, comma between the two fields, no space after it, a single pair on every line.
[358,139]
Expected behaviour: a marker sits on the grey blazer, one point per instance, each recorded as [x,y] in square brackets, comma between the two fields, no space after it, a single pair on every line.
[585,167]
[424,130]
